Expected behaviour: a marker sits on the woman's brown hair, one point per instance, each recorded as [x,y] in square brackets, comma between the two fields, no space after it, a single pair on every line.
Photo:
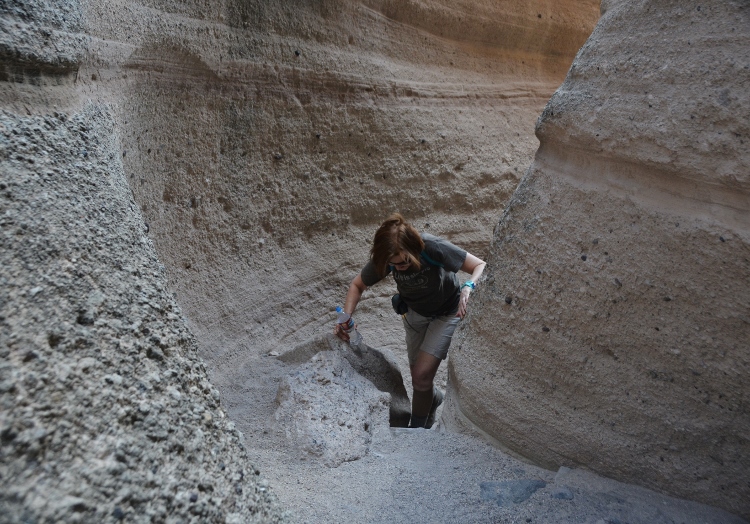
[395,237]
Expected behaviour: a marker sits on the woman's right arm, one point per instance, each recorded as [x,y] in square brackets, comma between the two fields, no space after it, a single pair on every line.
[356,288]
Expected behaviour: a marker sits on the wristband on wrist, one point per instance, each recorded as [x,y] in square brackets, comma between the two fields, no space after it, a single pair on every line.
[469,284]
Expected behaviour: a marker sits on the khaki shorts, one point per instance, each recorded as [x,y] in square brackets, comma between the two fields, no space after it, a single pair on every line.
[429,334]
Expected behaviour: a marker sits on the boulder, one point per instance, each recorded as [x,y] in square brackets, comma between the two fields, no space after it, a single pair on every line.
[378,365]
[330,411]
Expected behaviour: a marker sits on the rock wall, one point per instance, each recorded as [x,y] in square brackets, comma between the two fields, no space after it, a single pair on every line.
[256,144]
[40,38]
[611,330]
[264,142]
[106,410]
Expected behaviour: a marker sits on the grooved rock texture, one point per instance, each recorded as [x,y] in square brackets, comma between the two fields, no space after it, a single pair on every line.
[265,141]
[612,329]
[106,409]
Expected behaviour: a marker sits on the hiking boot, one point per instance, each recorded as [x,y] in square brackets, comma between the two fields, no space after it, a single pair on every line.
[437,400]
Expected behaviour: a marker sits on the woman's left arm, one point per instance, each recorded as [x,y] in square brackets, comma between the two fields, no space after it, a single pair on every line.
[475,266]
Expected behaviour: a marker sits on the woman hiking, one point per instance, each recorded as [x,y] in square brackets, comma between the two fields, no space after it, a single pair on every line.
[424,268]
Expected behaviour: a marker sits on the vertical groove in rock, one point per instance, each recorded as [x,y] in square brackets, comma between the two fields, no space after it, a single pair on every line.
[106,409]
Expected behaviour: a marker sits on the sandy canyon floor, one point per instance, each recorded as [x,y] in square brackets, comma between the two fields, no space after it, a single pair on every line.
[438,475]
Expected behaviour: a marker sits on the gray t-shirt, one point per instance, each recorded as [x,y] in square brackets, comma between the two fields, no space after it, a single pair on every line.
[433,289]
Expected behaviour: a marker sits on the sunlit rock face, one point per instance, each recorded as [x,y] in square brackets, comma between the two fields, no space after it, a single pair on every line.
[612,330]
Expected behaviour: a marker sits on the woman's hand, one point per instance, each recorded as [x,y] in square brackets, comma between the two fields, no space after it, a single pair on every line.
[339,331]
[475,266]
[463,301]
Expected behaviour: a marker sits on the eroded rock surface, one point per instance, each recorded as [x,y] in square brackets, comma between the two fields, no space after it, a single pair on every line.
[40,39]
[611,330]
[330,411]
[265,141]
[107,412]
[378,365]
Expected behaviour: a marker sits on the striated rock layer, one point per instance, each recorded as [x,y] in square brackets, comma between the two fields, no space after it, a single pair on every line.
[262,142]
[612,330]
[265,141]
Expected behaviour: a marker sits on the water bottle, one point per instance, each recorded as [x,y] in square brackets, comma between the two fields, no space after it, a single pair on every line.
[355,339]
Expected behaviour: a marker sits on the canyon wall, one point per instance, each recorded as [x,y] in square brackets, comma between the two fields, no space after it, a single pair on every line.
[230,161]
[612,328]
[107,413]
[264,142]
[106,410]
[226,161]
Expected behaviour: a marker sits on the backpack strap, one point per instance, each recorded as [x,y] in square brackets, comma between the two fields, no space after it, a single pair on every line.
[424,255]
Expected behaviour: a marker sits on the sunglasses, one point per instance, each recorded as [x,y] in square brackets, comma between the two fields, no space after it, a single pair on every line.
[403,264]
